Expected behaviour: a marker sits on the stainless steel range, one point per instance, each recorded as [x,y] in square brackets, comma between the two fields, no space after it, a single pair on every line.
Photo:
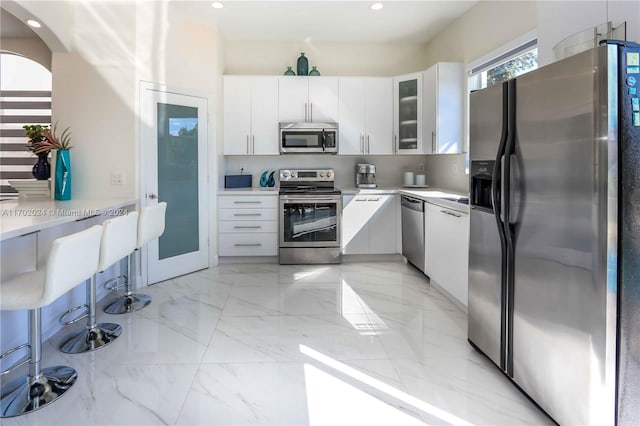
[310,217]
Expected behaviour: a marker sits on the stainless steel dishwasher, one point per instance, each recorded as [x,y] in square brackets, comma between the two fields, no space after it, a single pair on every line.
[413,231]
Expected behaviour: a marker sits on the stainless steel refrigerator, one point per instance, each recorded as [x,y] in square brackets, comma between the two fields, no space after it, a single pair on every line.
[554,260]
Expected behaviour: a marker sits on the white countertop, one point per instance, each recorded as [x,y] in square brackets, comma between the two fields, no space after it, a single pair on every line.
[439,196]
[20,217]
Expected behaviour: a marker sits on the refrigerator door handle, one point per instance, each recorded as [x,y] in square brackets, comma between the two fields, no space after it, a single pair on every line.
[502,190]
[514,181]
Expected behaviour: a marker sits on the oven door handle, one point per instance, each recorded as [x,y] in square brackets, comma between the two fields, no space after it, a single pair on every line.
[306,200]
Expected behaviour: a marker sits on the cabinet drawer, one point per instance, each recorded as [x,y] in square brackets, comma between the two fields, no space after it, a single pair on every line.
[246,244]
[248,226]
[248,202]
[256,214]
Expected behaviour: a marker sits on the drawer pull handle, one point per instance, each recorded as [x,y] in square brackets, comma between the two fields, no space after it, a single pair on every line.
[247,227]
[374,199]
[450,213]
[248,245]
[360,199]
[247,202]
[247,214]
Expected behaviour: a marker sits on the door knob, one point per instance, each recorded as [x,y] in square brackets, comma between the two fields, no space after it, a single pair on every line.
[152,196]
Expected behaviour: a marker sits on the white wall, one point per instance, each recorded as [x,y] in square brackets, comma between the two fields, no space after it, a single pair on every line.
[558,20]
[484,28]
[93,93]
[376,59]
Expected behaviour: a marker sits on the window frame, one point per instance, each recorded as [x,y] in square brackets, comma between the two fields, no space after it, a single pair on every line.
[494,58]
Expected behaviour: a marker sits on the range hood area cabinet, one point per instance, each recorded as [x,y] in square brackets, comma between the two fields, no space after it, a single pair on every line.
[442,106]
[407,114]
[250,115]
[308,99]
[366,116]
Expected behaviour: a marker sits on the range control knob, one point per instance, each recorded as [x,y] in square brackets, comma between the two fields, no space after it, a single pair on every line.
[293,174]
[328,174]
[286,174]
[321,174]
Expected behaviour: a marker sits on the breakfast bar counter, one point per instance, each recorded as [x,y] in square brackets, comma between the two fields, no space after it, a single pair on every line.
[21,217]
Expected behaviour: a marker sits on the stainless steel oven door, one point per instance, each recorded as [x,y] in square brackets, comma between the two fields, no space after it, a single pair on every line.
[308,220]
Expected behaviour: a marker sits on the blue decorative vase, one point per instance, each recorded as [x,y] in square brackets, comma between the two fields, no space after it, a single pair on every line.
[42,169]
[303,65]
[63,175]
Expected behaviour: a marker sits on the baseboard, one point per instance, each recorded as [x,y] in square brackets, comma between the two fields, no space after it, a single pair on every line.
[230,260]
[351,258]
[448,295]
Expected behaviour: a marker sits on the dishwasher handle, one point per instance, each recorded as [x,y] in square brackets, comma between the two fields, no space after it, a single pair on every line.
[412,203]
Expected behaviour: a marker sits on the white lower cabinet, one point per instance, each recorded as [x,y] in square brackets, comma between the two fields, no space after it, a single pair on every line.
[370,224]
[447,249]
[248,225]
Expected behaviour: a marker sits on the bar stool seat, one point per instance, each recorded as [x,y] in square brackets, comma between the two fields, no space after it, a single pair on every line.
[151,223]
[72,259]
[118,240]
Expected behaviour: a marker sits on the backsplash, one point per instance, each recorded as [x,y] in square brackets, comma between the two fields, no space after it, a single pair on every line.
[389,169]
[447,171]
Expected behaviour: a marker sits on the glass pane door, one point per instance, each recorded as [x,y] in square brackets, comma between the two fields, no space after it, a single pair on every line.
[408,114]
[305,222]
[174,159]
[178,178]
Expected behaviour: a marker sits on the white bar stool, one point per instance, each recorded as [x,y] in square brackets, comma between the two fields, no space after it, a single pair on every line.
[72,259]
[118,241]
[150,226]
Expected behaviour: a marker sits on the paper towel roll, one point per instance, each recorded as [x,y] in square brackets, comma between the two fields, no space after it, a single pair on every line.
[408,178]
[420,180]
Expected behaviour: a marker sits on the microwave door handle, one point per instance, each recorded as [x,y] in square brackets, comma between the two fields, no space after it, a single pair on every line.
[324,140]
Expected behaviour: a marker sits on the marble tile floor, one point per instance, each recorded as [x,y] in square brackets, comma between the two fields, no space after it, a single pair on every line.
[351,344]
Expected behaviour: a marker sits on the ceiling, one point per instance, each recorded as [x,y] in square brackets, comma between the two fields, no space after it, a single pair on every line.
[12,27]
[332,21]
[345,21]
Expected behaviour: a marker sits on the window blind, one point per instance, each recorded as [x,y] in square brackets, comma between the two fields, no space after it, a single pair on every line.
[17,108]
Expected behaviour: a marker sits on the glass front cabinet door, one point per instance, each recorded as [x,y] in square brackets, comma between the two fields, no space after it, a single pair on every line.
[408,114]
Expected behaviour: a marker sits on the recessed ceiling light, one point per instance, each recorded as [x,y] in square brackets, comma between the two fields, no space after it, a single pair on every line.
[33,23]
[217,5]
[377,6]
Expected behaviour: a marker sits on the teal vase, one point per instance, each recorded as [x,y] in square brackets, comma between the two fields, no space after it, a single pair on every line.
[289,71]
[314,71]
[63,175]
[303,65]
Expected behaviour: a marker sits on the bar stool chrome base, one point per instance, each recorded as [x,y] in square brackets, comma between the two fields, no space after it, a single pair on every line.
[26,394]
[90,339]
[128,303]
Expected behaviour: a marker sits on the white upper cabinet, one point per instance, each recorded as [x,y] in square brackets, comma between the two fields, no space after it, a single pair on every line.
[250,115]
[442,101]
[407,114]
[366,116]
[308,99]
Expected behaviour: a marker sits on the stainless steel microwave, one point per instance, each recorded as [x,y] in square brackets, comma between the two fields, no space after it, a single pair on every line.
[308,138]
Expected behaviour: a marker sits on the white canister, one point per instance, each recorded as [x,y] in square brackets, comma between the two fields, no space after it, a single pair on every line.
[420,180]
[408,178]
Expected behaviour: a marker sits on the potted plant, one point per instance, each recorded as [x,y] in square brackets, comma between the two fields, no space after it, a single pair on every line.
[62,144]
[36,134]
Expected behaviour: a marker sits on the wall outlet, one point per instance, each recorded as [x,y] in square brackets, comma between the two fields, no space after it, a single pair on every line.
[117,178]
[454,169]
[421,167]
